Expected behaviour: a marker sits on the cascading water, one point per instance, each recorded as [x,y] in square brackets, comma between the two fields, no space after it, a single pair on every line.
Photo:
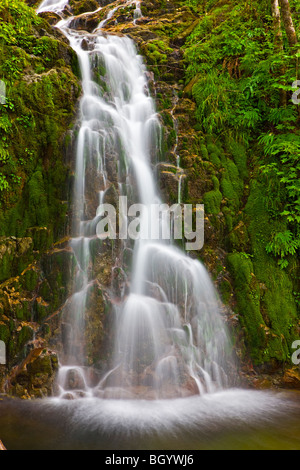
[56,6]
[170,340]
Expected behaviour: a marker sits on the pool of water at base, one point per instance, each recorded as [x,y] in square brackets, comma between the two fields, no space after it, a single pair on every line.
[228,420]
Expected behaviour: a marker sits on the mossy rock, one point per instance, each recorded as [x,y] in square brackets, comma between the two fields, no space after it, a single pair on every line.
[239,239]
[36,379]
[83,6]
[263,291]
[226,290]
[42,89]
[212,202]
[231,184]
[4,332]
[239,154]
[41,309]
[42,365]
[248,298]
[42,238]
[23,311]
[29,279]
[25,335]
[15,255]
[278,300]
[7,256]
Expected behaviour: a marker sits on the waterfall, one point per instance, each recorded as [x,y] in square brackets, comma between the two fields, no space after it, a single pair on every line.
[170,339]
[56,6]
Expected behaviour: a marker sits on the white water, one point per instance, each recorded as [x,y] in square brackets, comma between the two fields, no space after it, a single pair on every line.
[170,339]
[226,420]
[56,6]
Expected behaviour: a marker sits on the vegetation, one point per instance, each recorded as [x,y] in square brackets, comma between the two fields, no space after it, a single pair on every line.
[38,71]
[241,61]
[239,78]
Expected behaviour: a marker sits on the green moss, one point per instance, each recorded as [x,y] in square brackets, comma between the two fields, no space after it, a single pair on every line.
[26,334]
[264,292]
[25,256]
[239,239]
[4,333]
[82,6]
[213,148]
[231,184]
[247,295]
[42,309]
[215,160]
[225,290]
[239,153]
[204,152]
[23,311]
[278,301]
[216,183]
[42,365]
[228,218]
[45,291]
[38,208]
[6,265]
[156,51]
[42,238]
[212,199]
[30,279]
[41,91]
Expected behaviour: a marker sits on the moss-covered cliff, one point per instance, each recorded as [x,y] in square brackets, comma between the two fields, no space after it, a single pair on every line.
[237,78]
[223,90]
[40,73]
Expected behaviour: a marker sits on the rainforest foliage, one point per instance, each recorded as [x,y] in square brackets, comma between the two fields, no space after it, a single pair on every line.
[243,87]
[241,61]
[39,75]
[37,68]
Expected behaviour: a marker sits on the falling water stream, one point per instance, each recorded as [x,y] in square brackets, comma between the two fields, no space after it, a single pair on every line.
[169,384]
[170,340]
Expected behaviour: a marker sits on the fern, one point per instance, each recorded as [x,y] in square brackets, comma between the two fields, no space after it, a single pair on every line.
[282,245]
[3,182]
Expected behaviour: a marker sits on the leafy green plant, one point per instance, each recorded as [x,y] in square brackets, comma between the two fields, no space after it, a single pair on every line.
[3,182]
[5,124]
[4,156]
[282,245]
[26,121]
[283,151]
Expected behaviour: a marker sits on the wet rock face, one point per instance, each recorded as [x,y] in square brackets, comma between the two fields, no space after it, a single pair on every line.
[33,3]
[74,380]
[34,258]
[30,308]
[291,378]
[51,17]
[82,6]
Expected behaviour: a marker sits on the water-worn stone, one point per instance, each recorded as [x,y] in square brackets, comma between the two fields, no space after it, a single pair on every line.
[291,378]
